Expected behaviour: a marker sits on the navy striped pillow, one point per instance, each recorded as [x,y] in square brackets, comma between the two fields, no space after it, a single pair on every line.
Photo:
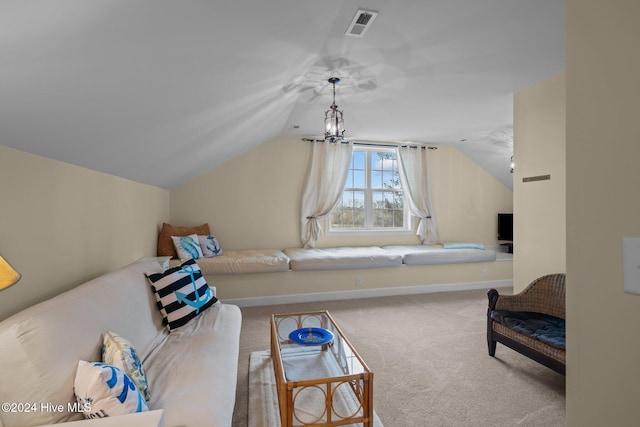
[181,293]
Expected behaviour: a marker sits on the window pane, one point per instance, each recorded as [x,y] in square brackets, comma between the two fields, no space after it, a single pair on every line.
[346,200]
[349,183]
[380,209]
[398,200]
[382,186]
[352,199]
[391,180]
[358,199]
[378,200]
[376,179]
[376,161]
[398,219]
[350,211]
[357,160]
[384,160]
[358,218]
[359,180]
[378,218]
[387,209]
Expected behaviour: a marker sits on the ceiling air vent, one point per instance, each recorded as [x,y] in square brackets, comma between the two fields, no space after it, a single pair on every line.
[361,23]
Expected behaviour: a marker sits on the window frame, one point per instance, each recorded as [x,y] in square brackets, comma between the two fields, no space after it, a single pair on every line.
[368,191]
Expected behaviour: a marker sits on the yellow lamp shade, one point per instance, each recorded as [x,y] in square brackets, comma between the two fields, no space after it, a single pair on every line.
[8,275]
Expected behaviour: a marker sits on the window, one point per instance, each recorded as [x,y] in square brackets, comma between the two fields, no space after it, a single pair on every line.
[372,198]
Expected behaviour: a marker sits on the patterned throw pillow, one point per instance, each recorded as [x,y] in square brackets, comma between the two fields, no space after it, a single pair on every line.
[105,391]
[181,293]
[165,244]
[119,352]
[187,247]
[209,245]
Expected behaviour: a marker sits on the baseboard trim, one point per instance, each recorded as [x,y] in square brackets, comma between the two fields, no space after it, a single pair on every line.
[366,293]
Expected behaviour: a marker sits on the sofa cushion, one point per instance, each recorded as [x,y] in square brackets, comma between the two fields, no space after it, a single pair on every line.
[182,293]
[544,328]
[187,247]
[106,390]
[193,372]
[119,352]
[165,244]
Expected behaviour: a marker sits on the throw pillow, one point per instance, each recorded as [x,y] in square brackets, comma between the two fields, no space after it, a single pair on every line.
[165,243]
[187,247]
[105,391]
[119,352]
[463,246]
[209,245]
[181,293]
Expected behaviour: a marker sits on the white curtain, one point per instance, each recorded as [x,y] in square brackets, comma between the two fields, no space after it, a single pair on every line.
[327,171]
[414,174]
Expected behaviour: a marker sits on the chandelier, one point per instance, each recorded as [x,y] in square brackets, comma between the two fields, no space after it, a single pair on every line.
[333,122]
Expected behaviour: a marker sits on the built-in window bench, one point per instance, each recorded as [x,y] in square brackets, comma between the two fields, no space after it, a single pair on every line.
[248,261]
[273,276]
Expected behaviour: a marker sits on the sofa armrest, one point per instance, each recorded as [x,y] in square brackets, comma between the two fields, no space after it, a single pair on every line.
[544,295]
[138,419]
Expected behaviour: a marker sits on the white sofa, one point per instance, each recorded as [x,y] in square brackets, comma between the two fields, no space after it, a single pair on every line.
[191,372]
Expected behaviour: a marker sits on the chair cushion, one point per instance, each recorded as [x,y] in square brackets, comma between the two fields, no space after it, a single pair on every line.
[545,328]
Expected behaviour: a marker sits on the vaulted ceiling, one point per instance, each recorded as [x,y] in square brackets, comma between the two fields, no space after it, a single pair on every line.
[161,91]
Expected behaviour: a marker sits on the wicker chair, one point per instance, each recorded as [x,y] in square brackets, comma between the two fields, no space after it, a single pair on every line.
[545,296]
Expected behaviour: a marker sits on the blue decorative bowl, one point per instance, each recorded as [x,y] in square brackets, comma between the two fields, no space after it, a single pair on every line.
[311,336]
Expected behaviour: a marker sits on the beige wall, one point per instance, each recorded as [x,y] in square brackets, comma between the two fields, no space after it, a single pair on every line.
[253,201]
[61,224]
[70,224]
[539,207]
[603,205]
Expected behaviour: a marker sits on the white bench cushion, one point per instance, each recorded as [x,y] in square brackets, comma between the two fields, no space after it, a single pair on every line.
[436,254]
[242,262]
[341,258]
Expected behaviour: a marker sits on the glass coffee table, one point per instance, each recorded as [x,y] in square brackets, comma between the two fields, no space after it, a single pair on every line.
[320,378]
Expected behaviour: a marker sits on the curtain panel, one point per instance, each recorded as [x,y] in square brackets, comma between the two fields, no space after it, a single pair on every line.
[324,182]
[414,175]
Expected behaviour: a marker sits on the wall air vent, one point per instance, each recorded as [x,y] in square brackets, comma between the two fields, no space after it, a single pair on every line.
[361,23]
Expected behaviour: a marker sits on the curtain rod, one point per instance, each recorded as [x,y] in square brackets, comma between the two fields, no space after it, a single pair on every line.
[376,144]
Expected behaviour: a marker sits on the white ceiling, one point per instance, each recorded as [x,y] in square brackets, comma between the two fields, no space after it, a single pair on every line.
[161,91]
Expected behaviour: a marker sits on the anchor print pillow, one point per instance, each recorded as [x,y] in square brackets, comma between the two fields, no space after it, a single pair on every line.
[209,245]
[105,391]
[187,247]
[181,293]
[119,352]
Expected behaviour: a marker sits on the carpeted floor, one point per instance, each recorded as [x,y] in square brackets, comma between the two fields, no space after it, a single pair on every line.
[429,357]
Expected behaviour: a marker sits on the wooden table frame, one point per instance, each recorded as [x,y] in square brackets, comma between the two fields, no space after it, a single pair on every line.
[361,384]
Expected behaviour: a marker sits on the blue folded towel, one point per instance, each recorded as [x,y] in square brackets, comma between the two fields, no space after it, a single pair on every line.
[463,246]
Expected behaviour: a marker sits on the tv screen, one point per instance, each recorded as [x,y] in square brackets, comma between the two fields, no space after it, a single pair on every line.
[505,226]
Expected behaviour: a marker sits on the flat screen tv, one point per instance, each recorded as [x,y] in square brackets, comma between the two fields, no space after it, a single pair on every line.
[505,226]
